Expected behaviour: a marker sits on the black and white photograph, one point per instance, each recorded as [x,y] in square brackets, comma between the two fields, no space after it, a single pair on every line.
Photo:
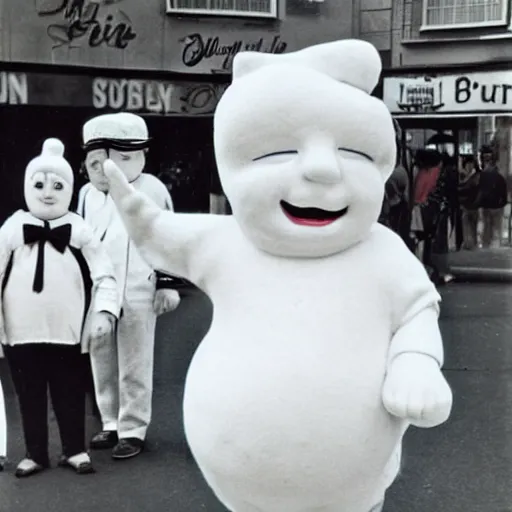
[256,255]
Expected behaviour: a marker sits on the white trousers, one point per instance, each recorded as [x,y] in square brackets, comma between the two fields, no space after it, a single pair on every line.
[3,424]
[123,371]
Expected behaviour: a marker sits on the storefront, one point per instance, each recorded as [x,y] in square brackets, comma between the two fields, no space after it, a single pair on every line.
[462,102]
[37,105]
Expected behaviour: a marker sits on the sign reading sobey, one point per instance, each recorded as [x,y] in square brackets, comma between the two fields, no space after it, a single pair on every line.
[446,94]
[132,94]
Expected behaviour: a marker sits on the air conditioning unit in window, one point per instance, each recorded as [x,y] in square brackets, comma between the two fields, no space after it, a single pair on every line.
[242,8]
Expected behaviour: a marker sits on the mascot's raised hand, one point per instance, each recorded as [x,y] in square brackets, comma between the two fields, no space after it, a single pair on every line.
[136,209]
[133,205]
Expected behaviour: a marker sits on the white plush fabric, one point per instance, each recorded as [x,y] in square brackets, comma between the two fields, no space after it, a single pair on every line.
[119,126]
[324,344]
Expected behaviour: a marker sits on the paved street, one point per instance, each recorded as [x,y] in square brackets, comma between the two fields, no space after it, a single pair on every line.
[463,466]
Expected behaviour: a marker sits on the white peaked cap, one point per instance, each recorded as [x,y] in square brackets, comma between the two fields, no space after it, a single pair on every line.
[351,61]
[51,159]
[119,126]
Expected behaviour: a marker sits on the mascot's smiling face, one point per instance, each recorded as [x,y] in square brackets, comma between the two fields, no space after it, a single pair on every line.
[302,156]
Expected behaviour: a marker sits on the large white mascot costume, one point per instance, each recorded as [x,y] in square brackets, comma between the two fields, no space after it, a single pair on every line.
[324,344]
[123,370]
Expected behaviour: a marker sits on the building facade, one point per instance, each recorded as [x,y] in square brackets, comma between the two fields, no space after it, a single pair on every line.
[63,61]
[451,71]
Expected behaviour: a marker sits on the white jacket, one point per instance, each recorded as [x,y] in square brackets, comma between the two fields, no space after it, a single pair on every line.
[136,278]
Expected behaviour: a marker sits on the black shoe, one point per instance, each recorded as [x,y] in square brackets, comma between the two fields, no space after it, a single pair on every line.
[127,448]
[104,440]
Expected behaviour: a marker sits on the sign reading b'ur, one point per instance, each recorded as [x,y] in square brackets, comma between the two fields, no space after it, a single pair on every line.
[468,93]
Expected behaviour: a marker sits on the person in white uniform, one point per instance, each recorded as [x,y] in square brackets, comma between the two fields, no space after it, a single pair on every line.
[123,370]
[324,345]
[59,299]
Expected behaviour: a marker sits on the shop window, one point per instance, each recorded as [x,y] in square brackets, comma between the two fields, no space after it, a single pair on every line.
[242,8]
[451,14]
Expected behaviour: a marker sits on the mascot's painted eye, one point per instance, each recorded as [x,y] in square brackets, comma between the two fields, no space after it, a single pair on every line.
[39,185]
[58,185]
[356,152]
[276,153]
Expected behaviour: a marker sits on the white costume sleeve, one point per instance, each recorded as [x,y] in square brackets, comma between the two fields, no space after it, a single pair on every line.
[415,302]
[80,209]
[170,243]
[3,424]
[105,293]
[7,234]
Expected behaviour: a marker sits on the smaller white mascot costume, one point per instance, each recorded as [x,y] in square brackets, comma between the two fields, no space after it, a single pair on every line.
[324,345]
[58,299]
[123,370]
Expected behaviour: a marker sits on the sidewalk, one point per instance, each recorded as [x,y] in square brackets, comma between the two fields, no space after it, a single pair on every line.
[482,264]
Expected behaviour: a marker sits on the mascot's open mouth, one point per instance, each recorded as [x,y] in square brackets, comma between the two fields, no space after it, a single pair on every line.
[311,216]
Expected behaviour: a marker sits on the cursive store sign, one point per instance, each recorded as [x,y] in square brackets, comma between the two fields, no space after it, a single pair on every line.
[216,54]
[481,92]
[85,21]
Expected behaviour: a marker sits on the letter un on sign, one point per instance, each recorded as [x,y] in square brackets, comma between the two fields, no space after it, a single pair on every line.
[482,92]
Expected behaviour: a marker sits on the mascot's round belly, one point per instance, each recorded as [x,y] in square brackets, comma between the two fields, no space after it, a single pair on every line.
[283,420]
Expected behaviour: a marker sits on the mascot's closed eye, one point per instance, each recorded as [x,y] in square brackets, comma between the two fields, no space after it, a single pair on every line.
[356,152]
[295,152]
[276,153]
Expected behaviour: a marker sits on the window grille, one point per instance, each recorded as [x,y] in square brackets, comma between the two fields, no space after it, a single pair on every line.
[464,13]
[250,8]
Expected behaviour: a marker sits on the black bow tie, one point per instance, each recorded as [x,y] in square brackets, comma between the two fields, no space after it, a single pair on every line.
[59,237]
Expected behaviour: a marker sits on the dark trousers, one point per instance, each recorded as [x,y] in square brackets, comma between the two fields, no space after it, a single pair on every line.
[35,368]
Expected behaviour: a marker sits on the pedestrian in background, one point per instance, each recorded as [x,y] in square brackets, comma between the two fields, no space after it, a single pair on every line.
[494,197]
[449,221]
[469,200]
[395,213]
[427,168]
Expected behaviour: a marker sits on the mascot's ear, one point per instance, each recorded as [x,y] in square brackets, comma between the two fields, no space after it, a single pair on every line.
[351,61]
[247,62]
